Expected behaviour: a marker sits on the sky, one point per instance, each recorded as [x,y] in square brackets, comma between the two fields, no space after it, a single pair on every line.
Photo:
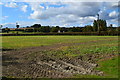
[63,14]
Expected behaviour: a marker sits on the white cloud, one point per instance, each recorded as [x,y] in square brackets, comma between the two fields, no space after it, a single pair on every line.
[71,13]
[68,13]
[113,21]
[115,25]
[21,23]
[24,8]
[11,4]
[114,4]
[105,14]
[62,0]
[113,14]
[35,6]
[77,9]
[4,17]
[1,3]
[34,15]
[9,25]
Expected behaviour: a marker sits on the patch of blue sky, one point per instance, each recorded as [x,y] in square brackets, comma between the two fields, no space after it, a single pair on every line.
[56,5]
[16,14]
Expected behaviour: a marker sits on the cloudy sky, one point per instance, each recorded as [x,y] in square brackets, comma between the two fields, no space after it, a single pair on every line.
[65,14]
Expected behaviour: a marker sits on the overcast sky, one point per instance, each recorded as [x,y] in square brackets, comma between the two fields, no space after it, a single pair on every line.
[57,13]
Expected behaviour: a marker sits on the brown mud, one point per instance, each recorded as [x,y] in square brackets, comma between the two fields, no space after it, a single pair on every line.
[23,64]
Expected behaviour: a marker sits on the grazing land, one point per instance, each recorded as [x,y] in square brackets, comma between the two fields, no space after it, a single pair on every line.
[60,56]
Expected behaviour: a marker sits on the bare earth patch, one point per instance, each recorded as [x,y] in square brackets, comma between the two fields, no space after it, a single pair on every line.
[16,63]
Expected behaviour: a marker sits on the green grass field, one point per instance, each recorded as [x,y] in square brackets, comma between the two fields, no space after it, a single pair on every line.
[29,41]
[20,32]
[80,45]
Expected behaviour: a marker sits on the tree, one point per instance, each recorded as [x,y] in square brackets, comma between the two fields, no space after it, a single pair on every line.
[29,30]
[75,29]
[78,29]
[55,29]
[63,29]
[102,25]
[88,28]
[17,26]
[7,29]
[99,25]
[36,27]
[27,26]
[1,26]
[44,29]
[95,26]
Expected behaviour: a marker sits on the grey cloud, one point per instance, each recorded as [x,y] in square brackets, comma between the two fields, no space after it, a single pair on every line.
[78,9]
[82,13]
[11,4]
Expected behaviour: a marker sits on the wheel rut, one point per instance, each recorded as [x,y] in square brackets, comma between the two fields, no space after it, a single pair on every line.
[16,64]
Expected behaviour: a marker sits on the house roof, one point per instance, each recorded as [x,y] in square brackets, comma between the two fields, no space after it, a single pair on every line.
[21,28]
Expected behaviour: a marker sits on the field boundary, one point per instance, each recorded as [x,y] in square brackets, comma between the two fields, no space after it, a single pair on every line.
[90,34]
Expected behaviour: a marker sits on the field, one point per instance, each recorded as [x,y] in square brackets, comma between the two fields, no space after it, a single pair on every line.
[60,56]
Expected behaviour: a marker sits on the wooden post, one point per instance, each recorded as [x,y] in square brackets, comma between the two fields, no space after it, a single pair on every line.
[98,24]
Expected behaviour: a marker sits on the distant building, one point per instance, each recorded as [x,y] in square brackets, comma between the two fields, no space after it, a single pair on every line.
[21,28]
[59,31]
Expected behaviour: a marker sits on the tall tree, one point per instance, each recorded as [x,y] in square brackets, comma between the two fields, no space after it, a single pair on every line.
[36,27]
[100,25]
[17,26]
[95,26]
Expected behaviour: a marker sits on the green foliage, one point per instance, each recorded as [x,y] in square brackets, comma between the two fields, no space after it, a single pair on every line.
[86,76]
[55,29]
[36,26]
[44,29]
[100,25]
[104,49]
[7,29]
[63,29]
[75,29]
[17,26]
[29,30]
[109,67]
[29,41]
[88,28]
[95,26]
[74,46]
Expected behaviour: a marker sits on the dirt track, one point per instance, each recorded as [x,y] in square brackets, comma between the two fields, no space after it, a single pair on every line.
[21,63]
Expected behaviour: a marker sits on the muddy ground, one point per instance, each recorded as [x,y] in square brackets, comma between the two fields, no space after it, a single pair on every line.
[21,64]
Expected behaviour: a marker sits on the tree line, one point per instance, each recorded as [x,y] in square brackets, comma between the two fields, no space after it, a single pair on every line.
[98,26]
